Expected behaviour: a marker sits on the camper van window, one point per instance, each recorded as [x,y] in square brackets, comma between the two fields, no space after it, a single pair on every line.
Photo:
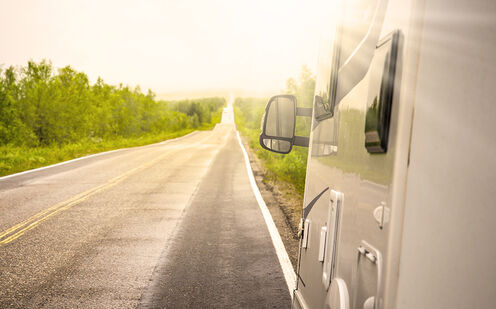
[322,102]
[380,95]
[331,86]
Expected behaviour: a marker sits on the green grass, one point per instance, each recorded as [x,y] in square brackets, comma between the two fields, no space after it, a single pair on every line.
[291,167]
[14,159]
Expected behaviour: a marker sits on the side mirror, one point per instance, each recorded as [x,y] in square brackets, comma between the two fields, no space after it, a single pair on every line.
[278,124]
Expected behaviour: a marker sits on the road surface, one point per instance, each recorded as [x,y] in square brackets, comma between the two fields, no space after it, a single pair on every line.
[169,225]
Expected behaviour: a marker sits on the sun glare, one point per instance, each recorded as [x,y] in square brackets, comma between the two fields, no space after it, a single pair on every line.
[169,46]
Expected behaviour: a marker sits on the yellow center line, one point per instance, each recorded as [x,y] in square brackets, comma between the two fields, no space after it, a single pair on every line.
[21,228]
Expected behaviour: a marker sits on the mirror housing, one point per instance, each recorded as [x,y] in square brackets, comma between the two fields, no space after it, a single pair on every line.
[279,122]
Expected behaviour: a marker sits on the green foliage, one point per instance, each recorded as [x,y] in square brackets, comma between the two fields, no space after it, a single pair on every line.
[199,111]
[40,108]
[304,91]
[248,115]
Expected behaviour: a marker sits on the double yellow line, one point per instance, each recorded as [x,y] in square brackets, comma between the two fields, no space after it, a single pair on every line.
[20,229]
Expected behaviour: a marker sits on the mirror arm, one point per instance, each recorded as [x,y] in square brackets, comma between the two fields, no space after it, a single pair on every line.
[304,111]
[301,141]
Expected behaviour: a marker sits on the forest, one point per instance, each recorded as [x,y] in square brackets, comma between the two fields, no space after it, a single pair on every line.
[49,115]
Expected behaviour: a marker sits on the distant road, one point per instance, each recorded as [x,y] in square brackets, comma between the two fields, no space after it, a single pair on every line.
[173,224]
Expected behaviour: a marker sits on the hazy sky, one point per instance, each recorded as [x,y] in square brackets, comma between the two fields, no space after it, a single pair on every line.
[167,45]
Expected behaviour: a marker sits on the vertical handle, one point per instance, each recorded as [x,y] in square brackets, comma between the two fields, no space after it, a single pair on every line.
[375,257]
[333,219]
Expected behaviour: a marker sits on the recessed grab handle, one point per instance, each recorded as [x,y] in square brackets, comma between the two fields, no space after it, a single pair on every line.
[375,257]
[333,219]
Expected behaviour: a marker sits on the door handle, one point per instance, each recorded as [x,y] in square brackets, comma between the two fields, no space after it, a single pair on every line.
[365,250]
[333,220]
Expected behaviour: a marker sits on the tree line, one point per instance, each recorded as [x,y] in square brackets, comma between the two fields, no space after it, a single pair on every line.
[41,106]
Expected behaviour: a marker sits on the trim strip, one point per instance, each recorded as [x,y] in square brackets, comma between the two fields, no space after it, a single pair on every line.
[308,208]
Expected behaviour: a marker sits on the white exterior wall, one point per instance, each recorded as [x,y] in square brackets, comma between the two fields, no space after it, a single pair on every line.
[448,247]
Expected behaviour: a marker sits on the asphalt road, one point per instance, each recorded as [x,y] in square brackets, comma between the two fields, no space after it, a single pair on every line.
[169,225]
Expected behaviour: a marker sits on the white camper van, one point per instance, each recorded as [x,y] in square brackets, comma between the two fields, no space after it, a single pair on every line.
[400,195]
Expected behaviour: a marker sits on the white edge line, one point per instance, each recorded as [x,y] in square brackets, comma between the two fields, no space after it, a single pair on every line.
[282,255]
[89,156]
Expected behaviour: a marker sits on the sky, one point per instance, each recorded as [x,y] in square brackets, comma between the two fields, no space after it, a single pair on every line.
[168,46]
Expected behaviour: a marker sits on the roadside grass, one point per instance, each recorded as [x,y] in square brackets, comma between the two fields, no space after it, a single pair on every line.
[15,159]
[290,168]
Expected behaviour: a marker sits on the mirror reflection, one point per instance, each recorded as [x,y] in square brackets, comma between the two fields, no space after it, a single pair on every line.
[280,116]
[277,145]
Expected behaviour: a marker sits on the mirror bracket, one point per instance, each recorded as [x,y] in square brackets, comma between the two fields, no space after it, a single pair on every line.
[302,141]
[304,111]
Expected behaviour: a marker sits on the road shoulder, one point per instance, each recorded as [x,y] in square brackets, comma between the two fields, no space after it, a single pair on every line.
[284,206]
